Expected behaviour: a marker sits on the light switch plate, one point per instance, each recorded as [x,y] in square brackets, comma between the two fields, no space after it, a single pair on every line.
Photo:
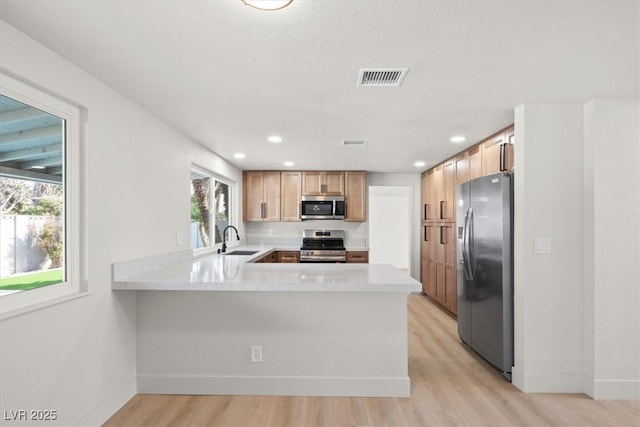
[542,245]
[179,238]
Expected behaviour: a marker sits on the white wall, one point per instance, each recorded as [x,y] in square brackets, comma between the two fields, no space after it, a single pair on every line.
[390,225]
[576,309]
[78,357]
[612,249]
[412,181]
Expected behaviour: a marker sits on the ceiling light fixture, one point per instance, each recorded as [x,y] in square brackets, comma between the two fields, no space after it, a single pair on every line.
[275,139]
[458,138]
[267,4]
[288,163]
[419,164]
[239,156]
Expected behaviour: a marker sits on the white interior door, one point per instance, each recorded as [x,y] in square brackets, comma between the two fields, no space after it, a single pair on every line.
[389,225]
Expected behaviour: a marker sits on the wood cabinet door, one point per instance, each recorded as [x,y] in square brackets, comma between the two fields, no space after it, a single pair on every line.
[441,263]
[462,168]
[311,182]
[438,191]
[290,195]
[271,196]
[424,255]
[510,139]
[333,182]
[491,154]
[355,196]
[428,196]
[475,162]
[428,260]
[450,269]
[253,184]
[323,183]
[447,204]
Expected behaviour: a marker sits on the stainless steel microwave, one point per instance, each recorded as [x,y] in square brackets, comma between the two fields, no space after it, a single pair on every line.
[322,207]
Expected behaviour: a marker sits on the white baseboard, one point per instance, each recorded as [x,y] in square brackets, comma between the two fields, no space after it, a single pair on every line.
[550,383]
[612,389]
[99,414]
[275,386]
[596,389]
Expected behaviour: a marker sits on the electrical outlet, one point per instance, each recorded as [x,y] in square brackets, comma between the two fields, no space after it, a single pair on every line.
[179,238]
[256,353]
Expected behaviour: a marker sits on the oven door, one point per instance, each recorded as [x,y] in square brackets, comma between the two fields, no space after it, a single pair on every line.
[322,256]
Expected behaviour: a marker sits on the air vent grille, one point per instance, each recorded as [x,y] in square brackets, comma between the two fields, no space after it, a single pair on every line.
[381,76]
[354,142]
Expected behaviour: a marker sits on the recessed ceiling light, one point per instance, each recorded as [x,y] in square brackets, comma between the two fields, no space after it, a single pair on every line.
[38,167]
[288,163]
[267,4]
[458,138]
[275,139]
[419,164]
[239,156]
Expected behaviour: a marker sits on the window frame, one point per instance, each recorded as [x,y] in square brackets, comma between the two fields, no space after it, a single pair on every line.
[232,212]
[21,302]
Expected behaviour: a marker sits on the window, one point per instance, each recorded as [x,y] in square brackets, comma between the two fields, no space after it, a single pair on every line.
[39,191]
[210,208]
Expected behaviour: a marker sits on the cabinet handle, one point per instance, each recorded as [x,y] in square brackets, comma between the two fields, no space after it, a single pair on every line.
[502,150]
[262,210]
[426,233]
[442,242]
[441,209]
[426,211]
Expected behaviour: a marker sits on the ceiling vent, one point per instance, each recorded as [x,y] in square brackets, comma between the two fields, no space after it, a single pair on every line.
[354,142]
[381,76]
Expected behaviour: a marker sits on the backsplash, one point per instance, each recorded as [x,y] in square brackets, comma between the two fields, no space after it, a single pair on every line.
[290,233]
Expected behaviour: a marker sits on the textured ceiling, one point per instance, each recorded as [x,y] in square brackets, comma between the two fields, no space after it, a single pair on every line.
[228,75]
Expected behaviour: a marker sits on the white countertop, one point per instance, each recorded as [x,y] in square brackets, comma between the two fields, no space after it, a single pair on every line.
[219,272]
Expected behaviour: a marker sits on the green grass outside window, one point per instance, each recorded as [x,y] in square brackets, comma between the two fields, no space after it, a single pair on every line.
[28,281]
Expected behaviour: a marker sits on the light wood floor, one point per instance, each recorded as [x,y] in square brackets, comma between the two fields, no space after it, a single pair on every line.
[449,386]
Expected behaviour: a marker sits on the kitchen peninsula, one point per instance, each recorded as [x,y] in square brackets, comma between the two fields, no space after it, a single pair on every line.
[311,329]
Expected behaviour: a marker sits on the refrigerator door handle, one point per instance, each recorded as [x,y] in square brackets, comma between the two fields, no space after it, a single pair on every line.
[470,240]
[465,246]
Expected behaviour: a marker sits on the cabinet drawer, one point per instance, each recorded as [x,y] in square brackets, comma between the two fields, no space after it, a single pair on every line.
[358,257]
[288,256]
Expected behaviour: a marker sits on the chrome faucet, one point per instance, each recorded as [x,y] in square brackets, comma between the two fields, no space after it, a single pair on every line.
[224,238]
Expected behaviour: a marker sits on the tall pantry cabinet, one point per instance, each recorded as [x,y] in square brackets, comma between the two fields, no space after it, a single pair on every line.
[438,234]
[438,251]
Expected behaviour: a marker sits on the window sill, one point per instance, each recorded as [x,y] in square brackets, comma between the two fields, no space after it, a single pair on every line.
[40,305]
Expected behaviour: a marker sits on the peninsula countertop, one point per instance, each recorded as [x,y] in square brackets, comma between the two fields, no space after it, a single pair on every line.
[222,272]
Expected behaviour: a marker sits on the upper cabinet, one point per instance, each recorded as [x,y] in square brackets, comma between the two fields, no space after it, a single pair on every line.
[261,191]
[323,183]
[276,195]
[475,162]
[497,152]
[427,196]
[355,196]
[290,195]
[438,192]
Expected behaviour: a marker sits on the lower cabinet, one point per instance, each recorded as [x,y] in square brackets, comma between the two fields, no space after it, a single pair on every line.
[361,257]
[438,264]
[281,257]
[288,256]
[270,257]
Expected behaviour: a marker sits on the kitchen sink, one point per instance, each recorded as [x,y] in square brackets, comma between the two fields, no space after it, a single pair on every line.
[241,253]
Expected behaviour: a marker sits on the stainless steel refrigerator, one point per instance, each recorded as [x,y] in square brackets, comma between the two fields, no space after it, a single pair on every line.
[485,268]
